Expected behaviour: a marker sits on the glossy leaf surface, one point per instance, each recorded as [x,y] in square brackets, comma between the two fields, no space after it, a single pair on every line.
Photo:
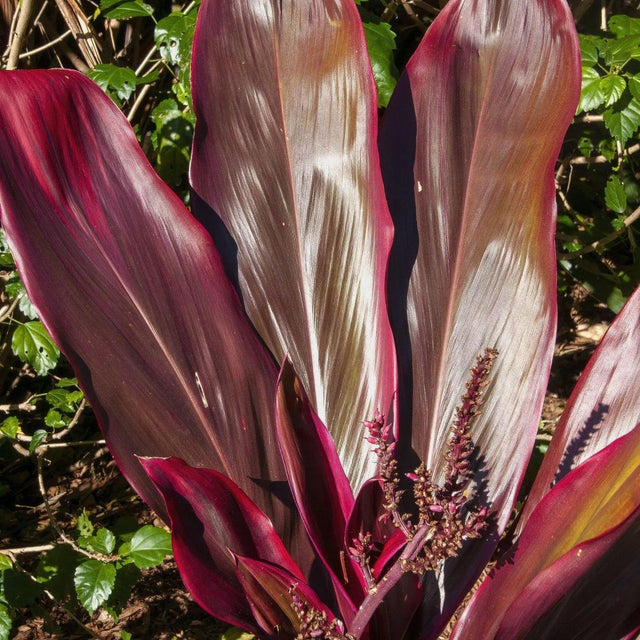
[132,290]
[286,114]
[271,591]
[489,81]
[603,406]
[320,488]
[602,494]
[467,148]
[211,517]
[590,593]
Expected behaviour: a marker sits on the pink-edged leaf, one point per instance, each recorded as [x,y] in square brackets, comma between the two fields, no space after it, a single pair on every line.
[467,147]
[589,502]
[132,289]
[287,114]
[603,406]
[591,593]
[279,599]
[488,80]
[211,517]
[320,488]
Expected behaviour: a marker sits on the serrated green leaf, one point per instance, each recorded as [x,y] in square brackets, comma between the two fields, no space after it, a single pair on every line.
[64,399]
[33,345]
[84,525]
[54,420]
[6,259]
[15,290]
[607,148]
[618,222]
[125,635]
[112,79]
[381,43]
[591,96]
[170,33]
[622,25]
[618,52]
[94,582]
[149,546]
[5,622]
[103,542]
[10,427]
[585,145]
[125,9]
[589,49]
[634,85]
[36,439]
[64,383]
[5,562]
[623,121]
[612,88]
[614,195]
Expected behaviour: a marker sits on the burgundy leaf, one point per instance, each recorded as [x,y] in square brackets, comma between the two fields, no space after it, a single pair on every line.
[591,593]
[133,291]
[603,406]
[591,501]
[287,114]
[279,599]
[319,485]
[468,146]
[211,517]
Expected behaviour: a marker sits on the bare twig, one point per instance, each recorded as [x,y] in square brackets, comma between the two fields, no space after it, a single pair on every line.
[19,406]
[19,551]
[44,47]
[82,31]
[76,443]
[594,246]
[9,311]
[25,8]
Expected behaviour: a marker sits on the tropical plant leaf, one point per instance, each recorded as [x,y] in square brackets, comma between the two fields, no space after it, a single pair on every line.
[287,114]
[211,516]
[591,593]
[271,591]
[32,344]
[155,333]
[603,494]
[603,405]
[474,219]
[94,582]
[381,43]
[319,485]
[149,546]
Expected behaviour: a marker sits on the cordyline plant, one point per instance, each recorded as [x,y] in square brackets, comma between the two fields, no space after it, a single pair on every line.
[403,281]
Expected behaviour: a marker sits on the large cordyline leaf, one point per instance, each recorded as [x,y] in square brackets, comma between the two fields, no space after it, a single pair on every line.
[132,289]
[468,146]
[212,520]
[593,510]
[603,406]
[284,152]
